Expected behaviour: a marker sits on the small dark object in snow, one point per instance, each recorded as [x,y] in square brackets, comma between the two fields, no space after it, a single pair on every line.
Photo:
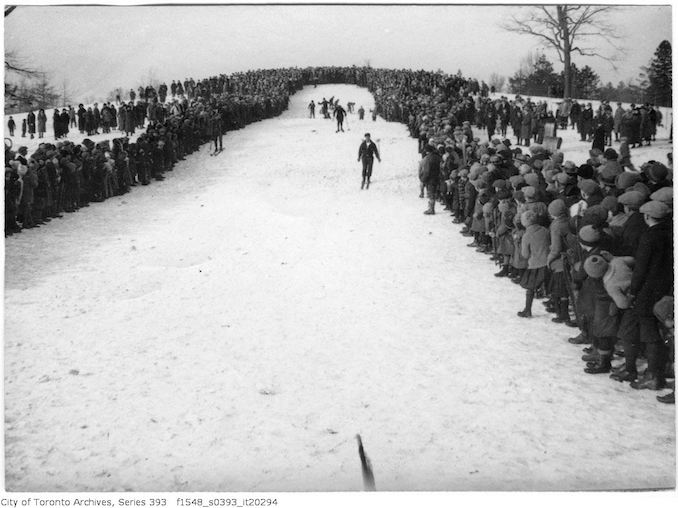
[368,475]
[430,232]
[331,431]
[74,372]
[265,391]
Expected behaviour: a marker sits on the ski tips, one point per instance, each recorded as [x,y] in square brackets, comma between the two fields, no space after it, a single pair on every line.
[366,466]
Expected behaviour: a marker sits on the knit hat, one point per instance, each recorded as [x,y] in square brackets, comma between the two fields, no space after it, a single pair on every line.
[563,178]
[538,163]
[595,266]
[588,235]
[655,209]
[588,186]
[625,180]
[528,217]
[657,172]
[516,180]
[529,192]
[532,179]
[611,154]
[499,184]
[632,199]
[595,215]
[642,188]
[610,203]
[557,208]
[665,195]
[585,171]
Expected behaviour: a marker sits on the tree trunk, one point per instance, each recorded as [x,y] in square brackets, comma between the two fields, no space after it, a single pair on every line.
[567,50]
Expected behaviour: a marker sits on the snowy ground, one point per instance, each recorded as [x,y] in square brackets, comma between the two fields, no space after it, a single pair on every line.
[234,326]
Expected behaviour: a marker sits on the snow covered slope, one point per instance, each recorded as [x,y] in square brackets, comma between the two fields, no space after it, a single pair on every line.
[234,326]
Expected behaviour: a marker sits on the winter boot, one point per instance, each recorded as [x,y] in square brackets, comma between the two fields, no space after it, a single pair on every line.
[582,338]
[624,375]
[591,357]
[527,311]
[603,365]
[669,398]
[362,185]
[504,272]
[650,381]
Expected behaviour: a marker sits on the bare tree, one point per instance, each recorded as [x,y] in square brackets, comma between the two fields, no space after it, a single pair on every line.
[570,29]
[44,92]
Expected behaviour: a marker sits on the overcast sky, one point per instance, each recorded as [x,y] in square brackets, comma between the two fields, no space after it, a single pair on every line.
[99,48]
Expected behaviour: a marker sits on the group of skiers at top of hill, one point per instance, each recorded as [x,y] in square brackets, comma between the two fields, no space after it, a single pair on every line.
[594,236]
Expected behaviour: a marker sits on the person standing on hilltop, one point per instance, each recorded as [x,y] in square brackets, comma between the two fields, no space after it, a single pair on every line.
[367,152]
[339,114]
[311,109]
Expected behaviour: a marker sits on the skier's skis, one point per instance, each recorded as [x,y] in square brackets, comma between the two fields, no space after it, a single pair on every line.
[216,152]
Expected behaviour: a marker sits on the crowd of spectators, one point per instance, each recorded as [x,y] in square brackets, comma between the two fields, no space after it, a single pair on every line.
[63,176]
[592,238]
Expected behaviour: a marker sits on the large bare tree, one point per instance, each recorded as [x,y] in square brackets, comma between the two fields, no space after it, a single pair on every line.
[570,29]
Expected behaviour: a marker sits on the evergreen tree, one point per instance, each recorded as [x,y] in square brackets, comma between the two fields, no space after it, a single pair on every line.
[659,74]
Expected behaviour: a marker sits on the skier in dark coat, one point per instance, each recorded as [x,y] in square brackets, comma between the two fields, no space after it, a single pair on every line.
[367,152]
[339,114]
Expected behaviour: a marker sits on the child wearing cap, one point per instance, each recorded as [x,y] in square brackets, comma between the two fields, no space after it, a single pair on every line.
[534,247]
[559,229]
[651,280]
[603,323]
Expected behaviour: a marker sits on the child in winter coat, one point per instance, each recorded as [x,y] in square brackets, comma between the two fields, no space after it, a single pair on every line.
[604,322]
[534,247]
[504,232]
[559,230]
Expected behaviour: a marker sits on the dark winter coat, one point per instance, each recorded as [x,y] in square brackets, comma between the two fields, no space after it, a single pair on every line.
[42,121]
[604,320]
[559,229]
[653,273]
[632,231]
[431,168]
[368,152]
[30,120]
